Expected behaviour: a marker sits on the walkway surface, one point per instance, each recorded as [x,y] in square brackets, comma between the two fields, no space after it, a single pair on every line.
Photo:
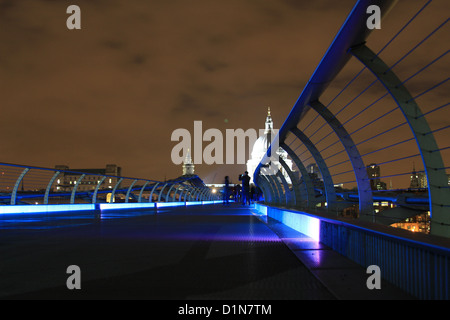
[198,252]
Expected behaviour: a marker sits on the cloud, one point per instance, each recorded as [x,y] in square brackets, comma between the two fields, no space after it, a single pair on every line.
[212,65]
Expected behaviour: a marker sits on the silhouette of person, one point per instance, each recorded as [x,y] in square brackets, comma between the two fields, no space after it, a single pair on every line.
[237,193]
[226,193]
[252,192]
[245,178]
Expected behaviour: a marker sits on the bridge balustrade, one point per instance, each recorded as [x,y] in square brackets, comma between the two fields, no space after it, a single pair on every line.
[22,187]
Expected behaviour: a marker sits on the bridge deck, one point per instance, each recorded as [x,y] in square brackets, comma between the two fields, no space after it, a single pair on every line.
[209,252]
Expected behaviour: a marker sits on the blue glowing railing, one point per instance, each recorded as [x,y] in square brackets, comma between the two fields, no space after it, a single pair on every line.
[28,186]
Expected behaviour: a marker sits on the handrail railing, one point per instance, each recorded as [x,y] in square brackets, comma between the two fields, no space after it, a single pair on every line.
[32,185]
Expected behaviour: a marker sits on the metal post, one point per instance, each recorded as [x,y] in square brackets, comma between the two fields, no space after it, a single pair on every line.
[291,195]
[113,192]
[16,186]
[202,194]
[273,197]
[94,195]
[285,193]
[49,186]
[308,186]
[296,189]
[265,189]
[330,193]
[175,194]
[75,187]
[150,198]
[129,190]
[142,191]
[366,211]
[196,194]
[277,188]
[168,192]
[183,194]
[161,191]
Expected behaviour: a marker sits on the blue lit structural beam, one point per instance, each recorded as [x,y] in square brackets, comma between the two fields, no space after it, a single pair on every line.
[16,186]
[327,179]
[97,187]
[75,187]
[307,183]
[142,191]
[366,209]
[296,198]
[129,190]
[47,190]
[113,192]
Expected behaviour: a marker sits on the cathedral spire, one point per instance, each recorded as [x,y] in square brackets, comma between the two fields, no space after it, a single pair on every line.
[269,122]
[188,165]
[188,159]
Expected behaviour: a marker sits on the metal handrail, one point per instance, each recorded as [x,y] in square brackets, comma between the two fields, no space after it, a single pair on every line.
[12,194]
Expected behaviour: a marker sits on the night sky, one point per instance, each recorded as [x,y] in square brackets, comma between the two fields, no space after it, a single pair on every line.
[114,91]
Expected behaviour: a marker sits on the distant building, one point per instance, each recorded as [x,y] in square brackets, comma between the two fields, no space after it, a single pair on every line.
[313,171]
[373,173]
[314,175]
[66,180]
[418,179]
[188,165]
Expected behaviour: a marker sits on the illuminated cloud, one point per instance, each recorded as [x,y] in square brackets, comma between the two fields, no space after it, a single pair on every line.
[114,91]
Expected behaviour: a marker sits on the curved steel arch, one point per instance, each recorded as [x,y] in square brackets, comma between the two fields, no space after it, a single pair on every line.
[274,195]
[188,194]
[287,192]
[196,194]
[296,199]
[184,194]
[330,193]
[200,194]
[150,197]
[16,186]
[49,186]
[438,191]
[191,193]
[174,198]
[204,193]
[94,195]
[262,180]
[168,192]
[75,187]
[115,188]
[366,209]
[266,189]
[277,188]
[308,185]
[161,191]
[142,191]
[129,190]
